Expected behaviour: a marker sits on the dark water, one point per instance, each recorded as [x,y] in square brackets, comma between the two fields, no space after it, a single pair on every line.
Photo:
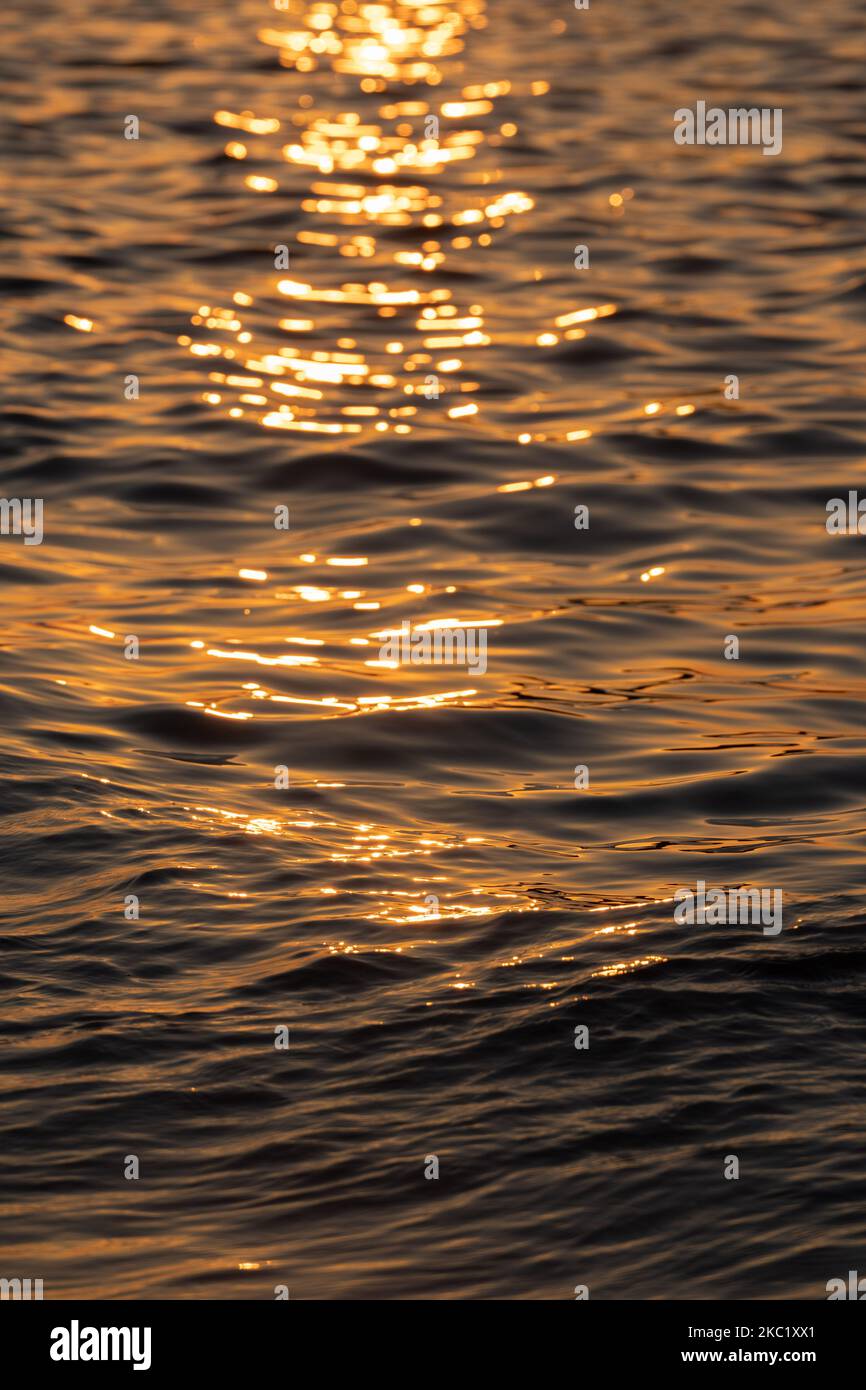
[413,1031]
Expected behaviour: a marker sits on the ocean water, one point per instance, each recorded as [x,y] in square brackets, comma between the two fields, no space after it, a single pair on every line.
[431,906]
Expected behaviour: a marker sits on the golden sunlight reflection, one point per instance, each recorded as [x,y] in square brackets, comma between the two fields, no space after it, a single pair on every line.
[368,843]
[407,907]
[380,43]
[627,967]
[393,348]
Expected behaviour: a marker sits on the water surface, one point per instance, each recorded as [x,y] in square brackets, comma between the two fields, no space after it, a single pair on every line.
[431,907]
